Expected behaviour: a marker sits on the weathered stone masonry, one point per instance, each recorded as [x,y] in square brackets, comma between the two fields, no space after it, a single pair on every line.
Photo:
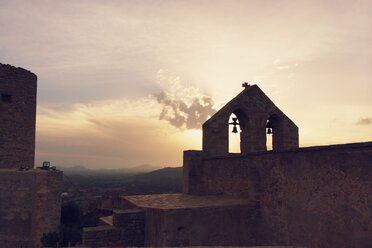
[29,206]
[316,197]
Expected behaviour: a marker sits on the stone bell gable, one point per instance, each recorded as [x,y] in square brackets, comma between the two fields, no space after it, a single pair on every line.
[255,113]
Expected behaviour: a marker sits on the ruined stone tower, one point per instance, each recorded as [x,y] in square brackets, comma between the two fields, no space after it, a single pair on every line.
[17,117]
[29,198]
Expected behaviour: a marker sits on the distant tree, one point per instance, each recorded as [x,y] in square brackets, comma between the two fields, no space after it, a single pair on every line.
[70,232]
[71,214]
[70,235]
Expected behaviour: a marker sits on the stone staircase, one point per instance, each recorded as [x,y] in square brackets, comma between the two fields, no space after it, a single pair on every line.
[123,228]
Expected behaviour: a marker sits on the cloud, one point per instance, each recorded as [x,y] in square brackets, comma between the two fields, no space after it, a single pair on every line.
[114,133]
[364,121]
[182,106]
[123,131]
[282,67]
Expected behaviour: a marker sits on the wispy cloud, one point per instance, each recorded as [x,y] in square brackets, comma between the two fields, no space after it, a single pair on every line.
[124,132]
[365,121]
[114,133]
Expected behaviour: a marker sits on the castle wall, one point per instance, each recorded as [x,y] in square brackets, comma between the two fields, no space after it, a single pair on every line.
[316,197]
[17,117]
[29,206]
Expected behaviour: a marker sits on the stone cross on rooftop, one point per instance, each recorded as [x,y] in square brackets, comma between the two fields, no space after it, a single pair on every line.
[245,85]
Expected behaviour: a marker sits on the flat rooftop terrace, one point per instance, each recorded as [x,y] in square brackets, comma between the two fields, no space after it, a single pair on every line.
[185,201]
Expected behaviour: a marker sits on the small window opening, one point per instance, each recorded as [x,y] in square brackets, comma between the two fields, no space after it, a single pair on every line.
[6,98]
[234,134]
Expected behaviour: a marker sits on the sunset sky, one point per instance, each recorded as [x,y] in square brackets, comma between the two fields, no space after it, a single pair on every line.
[124,83]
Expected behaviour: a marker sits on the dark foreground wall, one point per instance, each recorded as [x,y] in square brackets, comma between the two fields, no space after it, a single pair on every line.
[209,226]
[316,197]
[29,206]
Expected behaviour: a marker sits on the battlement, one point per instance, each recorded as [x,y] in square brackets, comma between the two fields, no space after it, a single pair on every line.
[14,71]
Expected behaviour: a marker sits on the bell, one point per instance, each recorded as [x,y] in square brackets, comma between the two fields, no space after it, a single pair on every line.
[269,131]
[235,129]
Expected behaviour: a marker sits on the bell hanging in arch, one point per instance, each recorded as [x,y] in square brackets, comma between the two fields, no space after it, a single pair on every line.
[269,131]
[235,129]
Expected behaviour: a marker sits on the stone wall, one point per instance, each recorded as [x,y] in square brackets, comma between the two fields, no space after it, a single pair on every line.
[29,206]
[208,226]
[132,223]
[17,117]
[47,208]
[316,197]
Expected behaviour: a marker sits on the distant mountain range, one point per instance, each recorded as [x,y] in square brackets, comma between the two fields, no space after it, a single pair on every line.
[164,174]
[81,170]
[83,182]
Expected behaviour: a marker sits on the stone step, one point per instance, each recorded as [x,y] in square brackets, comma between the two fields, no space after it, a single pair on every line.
[129,218]
[124,227]
[101,236]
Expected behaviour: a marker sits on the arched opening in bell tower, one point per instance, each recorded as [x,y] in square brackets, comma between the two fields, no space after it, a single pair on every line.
[234,134]
[269,136]
[237,122]
[273,132]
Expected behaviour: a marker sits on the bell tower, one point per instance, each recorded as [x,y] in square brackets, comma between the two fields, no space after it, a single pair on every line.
[256,116]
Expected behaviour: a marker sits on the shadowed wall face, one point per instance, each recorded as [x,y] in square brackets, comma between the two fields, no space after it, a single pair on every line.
[316,197]
[17,117]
